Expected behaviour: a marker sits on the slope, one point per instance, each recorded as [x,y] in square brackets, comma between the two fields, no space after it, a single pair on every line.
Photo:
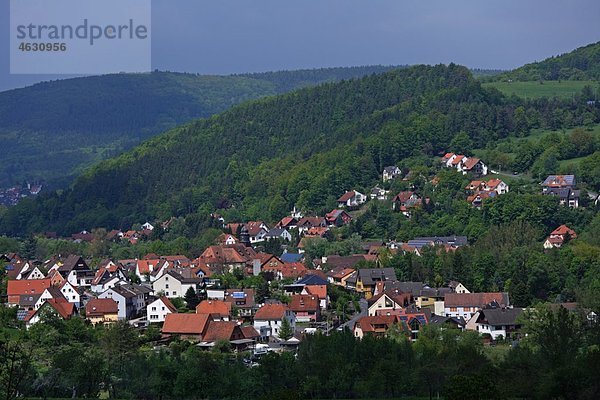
[56,129]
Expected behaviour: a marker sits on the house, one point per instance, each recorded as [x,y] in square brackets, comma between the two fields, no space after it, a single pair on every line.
[129,300]
[173,284]
[242,300]
[465,305]
[306,308]
[287,223]
[60,308]
[291,257]
[34,273]
[391,172]
[428,297]
[186,326]
[559,236]
[102,311]
[305,223]
[476,200]
[458,287]
[278,233]
[148,226]
[158,310]
[17,288]
[226,239]
[71,293]
[106,277]
[473,166]
[498,186]
[222,259]
[222,330]
[378,193]
[145,268]
[351,199]
[450,241]
[374,325]
[389,303]
[256,231]
[498,322]
[365,279]
[268,319]
[76,271]
[218,309]
[288,270]
[403,201]
[337,218]
[562,186]
[311,284]
[339,275]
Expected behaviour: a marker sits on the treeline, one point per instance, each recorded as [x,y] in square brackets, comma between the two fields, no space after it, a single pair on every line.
[559,359]
[581,64]
[266,156]
[55,129]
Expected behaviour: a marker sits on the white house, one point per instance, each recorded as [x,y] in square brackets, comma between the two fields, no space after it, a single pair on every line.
[278,233]
[465,305]
[129,302]
[497,322]
[172,284]
[148,226]
[268,319]
[71,293]
[159,308]
[498,185]
[35,274]
[391,172]
[352,199]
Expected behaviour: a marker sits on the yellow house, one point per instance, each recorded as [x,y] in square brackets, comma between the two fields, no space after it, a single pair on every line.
[102,311]
[365,280]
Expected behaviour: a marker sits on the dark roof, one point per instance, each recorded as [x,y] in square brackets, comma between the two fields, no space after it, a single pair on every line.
[500,316]
[73,262]
[369,276]
[406,287]
[291,257]
[311,280]
[441,320]
[456,241]
[559,180]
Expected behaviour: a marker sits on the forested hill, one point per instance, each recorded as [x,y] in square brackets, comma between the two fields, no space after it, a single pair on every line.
[55,129]
[303,148]
[580,64]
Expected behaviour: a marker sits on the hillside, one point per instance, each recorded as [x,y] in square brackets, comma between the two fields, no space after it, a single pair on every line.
[301,148]
[56,129]
[580,64]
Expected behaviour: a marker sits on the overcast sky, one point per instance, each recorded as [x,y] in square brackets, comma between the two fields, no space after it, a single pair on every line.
[234,36]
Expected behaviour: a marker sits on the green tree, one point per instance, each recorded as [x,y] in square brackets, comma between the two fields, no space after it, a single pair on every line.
[191,298]
[285,332]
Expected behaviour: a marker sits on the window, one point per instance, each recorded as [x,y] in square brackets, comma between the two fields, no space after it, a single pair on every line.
[153,308]
[163,308]
[452,309]
[174,293]
[167,286]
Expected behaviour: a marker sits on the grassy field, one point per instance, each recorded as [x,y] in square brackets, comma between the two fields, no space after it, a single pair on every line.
[562,89]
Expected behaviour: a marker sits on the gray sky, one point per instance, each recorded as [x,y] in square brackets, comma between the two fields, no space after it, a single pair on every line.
[234,36]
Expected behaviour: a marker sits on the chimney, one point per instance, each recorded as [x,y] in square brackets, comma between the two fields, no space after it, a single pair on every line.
[255,267]
[324,260]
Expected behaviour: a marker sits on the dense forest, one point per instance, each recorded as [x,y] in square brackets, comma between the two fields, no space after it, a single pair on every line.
[56,129]
[302,148]
[559,358]
[581,64]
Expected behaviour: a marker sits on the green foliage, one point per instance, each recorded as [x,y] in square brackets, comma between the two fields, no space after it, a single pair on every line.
[191,298]
[286,331]
[55,129]
[580,64]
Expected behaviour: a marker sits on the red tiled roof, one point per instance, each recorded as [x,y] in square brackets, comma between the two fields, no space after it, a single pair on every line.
[319,291]
[99,307]
[376,323]
[249,332]
[563,230]
[218,307]
[347,196]
[185,324]
[304,302]
[61,306]
[220,330]
[271,312]
[457,160]
[474,299]
[27,286]
[470,163]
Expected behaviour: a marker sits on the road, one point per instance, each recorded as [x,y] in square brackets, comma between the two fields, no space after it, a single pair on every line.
[364,308]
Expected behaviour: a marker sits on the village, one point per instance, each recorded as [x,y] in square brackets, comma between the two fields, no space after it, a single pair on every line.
[189,298]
